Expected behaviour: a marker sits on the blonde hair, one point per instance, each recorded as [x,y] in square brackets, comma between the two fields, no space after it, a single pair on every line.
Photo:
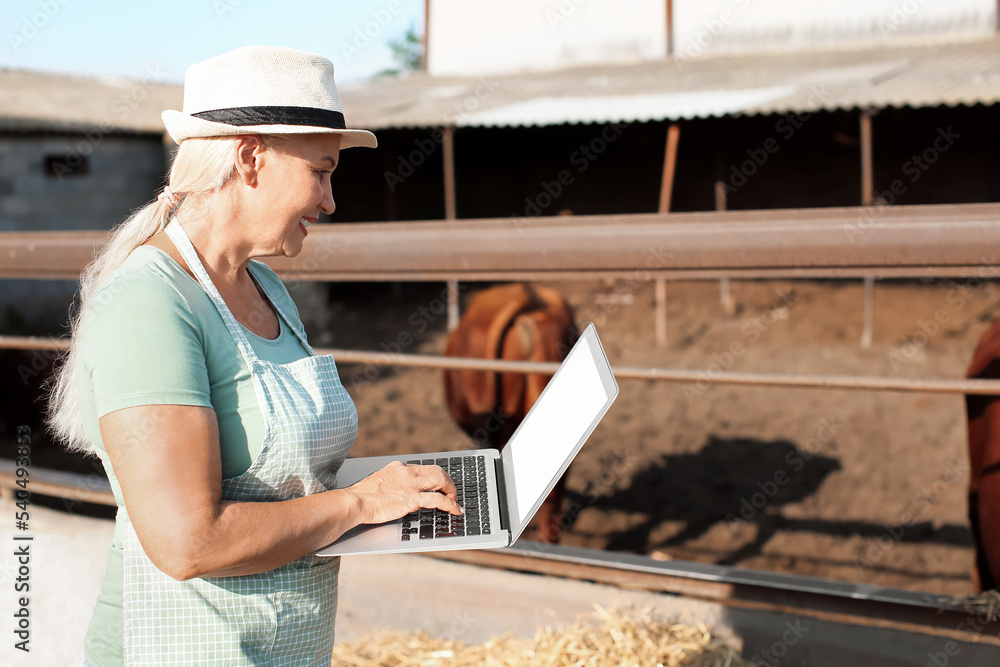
[201,168]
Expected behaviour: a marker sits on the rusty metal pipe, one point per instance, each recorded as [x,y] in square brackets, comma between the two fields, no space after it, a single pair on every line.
[868,383]
[874,240]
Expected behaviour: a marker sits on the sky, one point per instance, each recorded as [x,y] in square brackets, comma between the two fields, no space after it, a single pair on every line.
[130,38]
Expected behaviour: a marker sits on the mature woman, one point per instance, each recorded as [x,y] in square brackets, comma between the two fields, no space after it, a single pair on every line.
[191,378]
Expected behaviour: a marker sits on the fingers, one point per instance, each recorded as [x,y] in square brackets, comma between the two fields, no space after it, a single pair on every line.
[432,478]
[436,500]
[400,488]
[440,492]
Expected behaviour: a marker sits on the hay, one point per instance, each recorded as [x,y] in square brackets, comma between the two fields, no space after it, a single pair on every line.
[605,637]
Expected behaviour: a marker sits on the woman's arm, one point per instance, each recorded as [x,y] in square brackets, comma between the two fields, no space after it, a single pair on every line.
[167,460]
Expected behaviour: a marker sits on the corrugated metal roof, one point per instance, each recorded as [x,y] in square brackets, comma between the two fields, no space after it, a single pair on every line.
[916,74]
[36,101]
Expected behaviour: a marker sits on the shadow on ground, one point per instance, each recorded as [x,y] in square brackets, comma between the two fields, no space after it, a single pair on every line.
[738,481]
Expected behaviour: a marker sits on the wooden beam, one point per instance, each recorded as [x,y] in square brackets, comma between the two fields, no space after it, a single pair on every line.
[669,167]
[867,176]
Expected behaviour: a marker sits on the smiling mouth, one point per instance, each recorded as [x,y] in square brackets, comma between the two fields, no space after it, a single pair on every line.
[305,222]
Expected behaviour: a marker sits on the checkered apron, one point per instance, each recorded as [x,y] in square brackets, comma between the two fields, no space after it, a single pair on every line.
[281,617]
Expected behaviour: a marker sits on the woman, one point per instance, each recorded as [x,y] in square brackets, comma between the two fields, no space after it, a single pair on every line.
[191,378]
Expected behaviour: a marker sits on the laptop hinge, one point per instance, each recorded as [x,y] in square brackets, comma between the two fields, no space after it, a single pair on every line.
[502,494]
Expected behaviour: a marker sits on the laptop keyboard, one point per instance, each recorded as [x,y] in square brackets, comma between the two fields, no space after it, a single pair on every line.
[469,475]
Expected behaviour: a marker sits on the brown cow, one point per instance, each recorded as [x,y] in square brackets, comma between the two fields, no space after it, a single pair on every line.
[518,323]
[983,414]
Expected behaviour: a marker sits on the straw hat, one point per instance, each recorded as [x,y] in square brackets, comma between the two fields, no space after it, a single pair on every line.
[262,90]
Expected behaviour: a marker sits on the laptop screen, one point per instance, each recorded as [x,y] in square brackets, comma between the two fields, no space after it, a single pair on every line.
[569,408]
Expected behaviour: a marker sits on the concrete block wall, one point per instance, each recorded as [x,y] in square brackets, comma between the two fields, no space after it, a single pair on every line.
[124,172]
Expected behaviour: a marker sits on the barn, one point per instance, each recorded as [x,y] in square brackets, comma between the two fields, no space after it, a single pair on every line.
[765,164]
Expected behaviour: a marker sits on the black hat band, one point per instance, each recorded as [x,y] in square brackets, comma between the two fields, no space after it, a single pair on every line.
[244,116]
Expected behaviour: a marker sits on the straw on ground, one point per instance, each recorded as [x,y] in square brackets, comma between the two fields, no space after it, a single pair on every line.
[618,637]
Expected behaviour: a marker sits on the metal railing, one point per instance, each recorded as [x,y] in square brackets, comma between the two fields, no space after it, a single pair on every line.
[904,241]
[830,601]
[859,382]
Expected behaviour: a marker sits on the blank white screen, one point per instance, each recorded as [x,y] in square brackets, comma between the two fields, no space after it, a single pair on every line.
[572,400]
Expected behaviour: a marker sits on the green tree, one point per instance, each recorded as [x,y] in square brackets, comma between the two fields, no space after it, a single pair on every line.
[407,51]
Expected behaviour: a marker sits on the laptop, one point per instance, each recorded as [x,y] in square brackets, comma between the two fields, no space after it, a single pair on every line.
[500,491]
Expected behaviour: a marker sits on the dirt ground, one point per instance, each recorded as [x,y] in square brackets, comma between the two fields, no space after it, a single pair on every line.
[865,486]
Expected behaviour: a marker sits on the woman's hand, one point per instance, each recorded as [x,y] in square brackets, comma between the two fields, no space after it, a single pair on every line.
[168,462]
[400,488]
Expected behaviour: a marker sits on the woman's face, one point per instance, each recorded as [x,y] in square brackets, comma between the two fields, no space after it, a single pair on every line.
[293,187]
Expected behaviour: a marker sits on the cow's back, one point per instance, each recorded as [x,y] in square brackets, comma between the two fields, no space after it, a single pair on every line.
[983,415]
[512,322]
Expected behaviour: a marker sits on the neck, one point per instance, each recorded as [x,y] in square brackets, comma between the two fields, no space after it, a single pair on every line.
[223,242]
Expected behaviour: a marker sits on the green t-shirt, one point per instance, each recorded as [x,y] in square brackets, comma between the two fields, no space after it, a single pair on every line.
[153,337]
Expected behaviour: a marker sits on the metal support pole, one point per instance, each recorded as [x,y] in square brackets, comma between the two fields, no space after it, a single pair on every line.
[869,316]
[670,27]
[453,313]
[725,295]
[661,312]
[867,199]
[427,35]
[666,193]
[447,145]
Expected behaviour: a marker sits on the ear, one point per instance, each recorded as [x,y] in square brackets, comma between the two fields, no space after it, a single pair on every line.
[250,152]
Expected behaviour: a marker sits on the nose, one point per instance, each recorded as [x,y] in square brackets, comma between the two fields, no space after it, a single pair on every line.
[327,205]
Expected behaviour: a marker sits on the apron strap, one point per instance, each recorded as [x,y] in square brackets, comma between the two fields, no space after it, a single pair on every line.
[184,246]
[281,313]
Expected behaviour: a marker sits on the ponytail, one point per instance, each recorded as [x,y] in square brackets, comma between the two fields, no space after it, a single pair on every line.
[202,167]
